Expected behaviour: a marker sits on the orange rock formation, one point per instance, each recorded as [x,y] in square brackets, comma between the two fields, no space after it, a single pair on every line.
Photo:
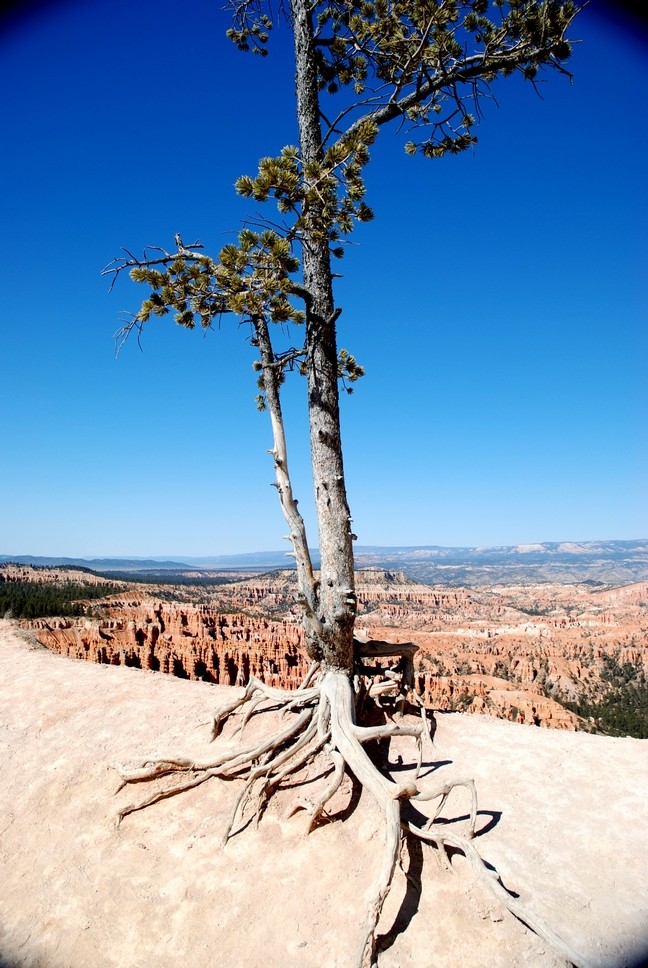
[499,651]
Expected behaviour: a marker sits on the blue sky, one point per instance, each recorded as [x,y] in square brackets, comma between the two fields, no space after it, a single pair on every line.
[498,301]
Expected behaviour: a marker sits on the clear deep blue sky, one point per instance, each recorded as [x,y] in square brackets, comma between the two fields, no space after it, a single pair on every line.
[498,301]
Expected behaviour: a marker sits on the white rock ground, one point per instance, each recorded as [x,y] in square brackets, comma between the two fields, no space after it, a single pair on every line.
[567,819]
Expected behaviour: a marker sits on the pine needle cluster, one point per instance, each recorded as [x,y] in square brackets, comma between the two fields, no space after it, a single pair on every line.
[424,64]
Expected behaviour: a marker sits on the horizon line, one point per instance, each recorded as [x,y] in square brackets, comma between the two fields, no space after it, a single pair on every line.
[360,549]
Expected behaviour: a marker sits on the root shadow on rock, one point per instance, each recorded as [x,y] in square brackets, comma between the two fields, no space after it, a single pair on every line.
[411,900]
[319,723]
[350,808]
[427,769]
[495,817]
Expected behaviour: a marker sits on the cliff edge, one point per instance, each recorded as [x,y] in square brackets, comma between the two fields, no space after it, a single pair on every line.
[563,818]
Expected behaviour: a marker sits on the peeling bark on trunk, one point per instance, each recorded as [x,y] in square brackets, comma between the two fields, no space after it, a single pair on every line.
[337,602]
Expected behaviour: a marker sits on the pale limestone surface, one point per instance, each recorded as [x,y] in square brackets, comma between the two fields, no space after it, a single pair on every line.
[571,836]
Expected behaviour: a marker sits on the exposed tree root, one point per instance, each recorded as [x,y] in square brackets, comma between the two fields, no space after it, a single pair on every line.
[320,723]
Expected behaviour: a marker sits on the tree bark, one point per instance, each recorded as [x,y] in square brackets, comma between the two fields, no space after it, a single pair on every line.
[308,585]
[337,602]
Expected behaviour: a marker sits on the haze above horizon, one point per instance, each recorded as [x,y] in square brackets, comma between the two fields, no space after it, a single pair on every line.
[498,302]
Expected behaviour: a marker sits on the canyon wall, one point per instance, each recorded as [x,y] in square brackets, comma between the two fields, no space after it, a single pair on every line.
[498,651]
[188,641]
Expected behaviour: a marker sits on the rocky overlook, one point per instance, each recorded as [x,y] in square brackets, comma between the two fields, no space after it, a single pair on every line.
[562,814]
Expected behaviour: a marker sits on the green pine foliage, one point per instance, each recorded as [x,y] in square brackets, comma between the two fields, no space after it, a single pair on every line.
[622,711]
[619,705]
[30,600]
[424,65]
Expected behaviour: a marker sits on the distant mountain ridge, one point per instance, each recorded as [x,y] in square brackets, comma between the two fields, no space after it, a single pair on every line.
[610,562]
[607,562]
[97,564]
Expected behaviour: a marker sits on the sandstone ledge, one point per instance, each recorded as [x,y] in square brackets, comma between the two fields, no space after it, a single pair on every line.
[565,811]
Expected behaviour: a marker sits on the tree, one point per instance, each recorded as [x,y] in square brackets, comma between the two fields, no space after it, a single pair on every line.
[425,66]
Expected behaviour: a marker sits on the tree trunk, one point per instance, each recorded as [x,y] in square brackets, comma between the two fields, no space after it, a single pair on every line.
[337,603]
[305,577]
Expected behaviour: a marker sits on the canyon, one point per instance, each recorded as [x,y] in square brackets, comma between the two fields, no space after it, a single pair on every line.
[517,652]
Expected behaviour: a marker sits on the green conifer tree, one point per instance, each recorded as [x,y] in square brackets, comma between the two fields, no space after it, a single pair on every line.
[360,65]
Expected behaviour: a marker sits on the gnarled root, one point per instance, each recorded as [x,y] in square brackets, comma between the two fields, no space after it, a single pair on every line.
[319,722]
